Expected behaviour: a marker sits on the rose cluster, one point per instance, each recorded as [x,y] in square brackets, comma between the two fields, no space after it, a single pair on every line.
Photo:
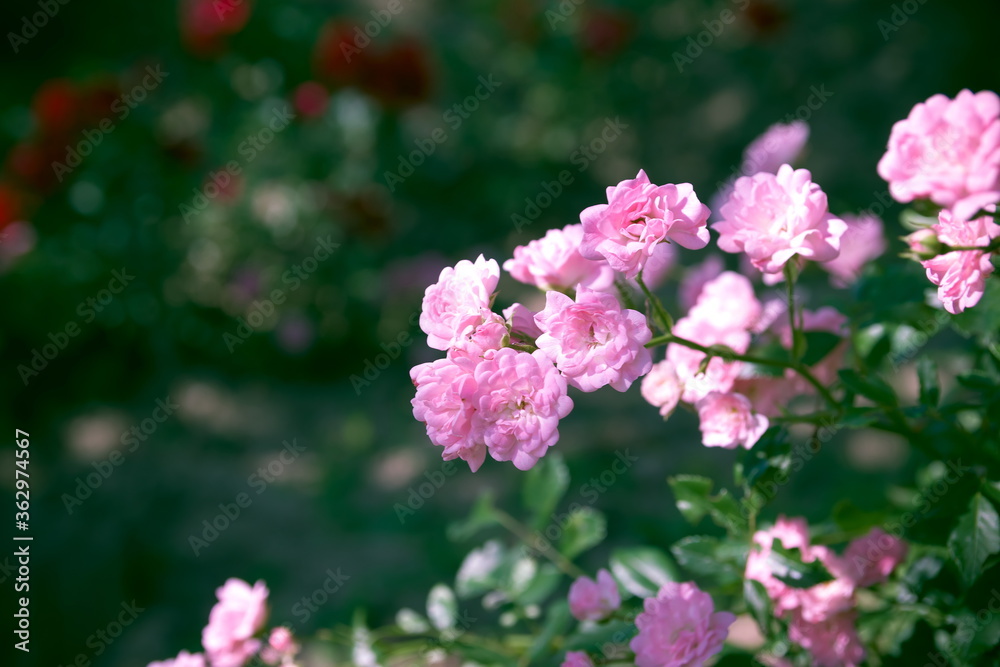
[502,387]
[232,636]
[822,617]
[948,152]
[679,627]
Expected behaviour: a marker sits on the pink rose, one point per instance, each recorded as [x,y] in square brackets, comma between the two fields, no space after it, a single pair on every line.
[662,388]
[447,394]
[591,600]
[679,628]
[577,659]
[948,151]
[695,279]
[720,374]
[554,262]
[281,647]
[461,293]
[832,643]
[521,321]
[728,302]
[961,275]
[239,614]
[521,398]
[775,217]
[480,336]
[183,659]
[637,218]
[593,341]
[869,560]
[728,420]
[780,144]
[790,534]
[861,243]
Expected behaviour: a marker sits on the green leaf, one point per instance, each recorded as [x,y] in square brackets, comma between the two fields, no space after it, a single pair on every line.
[643,570]
[975,538]
[694,501]
[442,607]
[930,390]
[852,519]
[786,565]
[709,557]
[557,621]
[544,486]
[759,604]
[871,387]
[616,633]
[799,344]
[818,344]
[546,580]
[480,571]
[483,515]
[411,622]
[585,528]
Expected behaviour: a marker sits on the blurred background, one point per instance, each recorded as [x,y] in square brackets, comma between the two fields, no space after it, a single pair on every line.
[217,219]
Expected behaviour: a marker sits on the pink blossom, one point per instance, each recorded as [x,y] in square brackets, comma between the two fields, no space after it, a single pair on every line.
[461,292]
[832,643]
[770,395]
[728,420]
[961,275]
[637,218]
[521,398]
[948,151]
[780,144]
[554,262]
[281,646]
[727,301]
[790,534]
[481,335]
[447,395]
[591,600]
[521,321]
[776,217]
[183,659]
[679,628]
[239,614]
[577,659]
[662,388]
[695,279]
[593,341]
[870,560]
[861,243]
[720,374]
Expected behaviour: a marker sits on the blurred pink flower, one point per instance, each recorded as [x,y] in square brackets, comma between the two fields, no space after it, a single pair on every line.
[461,292]
[591,600]
[948,151]
[869,560]
[776,217]
[183,659]
[679,628]
[961,275]
[281,647]
[637,218]
[239,614]
[554,262]
[593,341]
[446,403]
[780,144]
[16,239]
[695,279]
[662,388]
[720,374]
[728,420]
[521,398]
[576,659]
[833,642]
[861,243]
[790,534]
[728,302]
